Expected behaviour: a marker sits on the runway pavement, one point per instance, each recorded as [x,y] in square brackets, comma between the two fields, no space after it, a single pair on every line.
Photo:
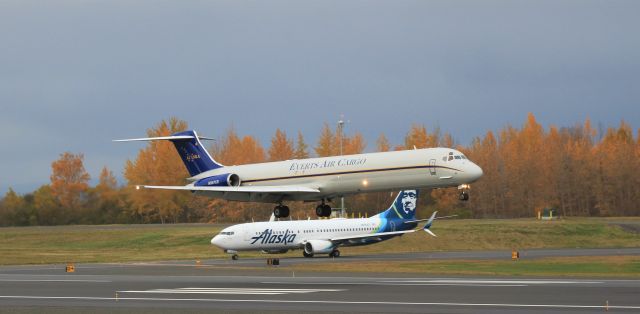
[226,286]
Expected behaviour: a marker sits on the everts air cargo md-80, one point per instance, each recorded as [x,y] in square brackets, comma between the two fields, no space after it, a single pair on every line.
[318,179]
[324,236]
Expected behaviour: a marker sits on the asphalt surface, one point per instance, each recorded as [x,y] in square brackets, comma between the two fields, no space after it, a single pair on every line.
[248,285]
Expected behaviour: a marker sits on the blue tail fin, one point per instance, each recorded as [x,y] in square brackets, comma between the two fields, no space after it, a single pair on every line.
[193,154]
[403,207]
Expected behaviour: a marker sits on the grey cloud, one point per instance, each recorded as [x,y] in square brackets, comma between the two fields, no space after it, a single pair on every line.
[74,75]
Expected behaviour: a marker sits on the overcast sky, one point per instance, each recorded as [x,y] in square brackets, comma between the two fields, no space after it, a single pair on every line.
[76,74]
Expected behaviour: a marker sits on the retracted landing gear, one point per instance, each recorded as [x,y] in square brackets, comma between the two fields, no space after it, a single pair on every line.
[281,211]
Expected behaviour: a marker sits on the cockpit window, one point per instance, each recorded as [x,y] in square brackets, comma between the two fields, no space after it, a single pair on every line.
[457,157]
[463,157]
[226,233]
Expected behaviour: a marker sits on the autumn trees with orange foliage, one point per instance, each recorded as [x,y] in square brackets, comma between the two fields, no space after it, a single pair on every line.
[330,142]
[69,180]
[281,147]
[577,170]
[157,164]
[569,169]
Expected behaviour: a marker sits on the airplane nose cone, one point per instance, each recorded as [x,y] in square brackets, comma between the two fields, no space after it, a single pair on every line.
[215,241]
[475,172]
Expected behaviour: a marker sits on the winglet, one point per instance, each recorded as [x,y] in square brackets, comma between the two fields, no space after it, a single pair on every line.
[430,232]
[429,223]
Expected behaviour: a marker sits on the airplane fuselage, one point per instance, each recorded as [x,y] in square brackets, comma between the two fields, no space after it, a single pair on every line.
[279,236]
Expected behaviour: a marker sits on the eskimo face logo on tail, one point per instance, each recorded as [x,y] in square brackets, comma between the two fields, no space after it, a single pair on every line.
[409,198]
[268,237]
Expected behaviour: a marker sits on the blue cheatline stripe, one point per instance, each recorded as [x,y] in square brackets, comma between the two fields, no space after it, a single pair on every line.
[349,172]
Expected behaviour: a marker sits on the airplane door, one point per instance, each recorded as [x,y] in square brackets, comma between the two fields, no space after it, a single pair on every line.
[393,226]
[432,167]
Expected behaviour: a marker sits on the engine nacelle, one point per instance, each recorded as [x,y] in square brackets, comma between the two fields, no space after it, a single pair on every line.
[227,179]
[318,247]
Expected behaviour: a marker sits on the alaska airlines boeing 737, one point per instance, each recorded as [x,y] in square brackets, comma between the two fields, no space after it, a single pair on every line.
[318,179]
[324,236]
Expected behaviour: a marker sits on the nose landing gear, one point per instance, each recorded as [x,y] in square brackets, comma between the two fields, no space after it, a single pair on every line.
[464,192]
[234,254]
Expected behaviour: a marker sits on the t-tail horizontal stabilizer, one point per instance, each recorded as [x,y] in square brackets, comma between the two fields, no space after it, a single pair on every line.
[429,223]
[194,156]
[165,138]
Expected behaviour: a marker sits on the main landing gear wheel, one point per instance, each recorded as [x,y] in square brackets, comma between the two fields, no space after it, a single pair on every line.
[305,254]
[323,210]
[234,257]
[281,211]
[464,196]
[334,253]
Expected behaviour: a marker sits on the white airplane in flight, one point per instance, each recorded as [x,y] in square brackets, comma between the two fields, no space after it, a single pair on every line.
[324,236]
[318,179]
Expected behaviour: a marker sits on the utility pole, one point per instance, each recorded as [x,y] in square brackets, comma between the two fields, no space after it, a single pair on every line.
[341,128]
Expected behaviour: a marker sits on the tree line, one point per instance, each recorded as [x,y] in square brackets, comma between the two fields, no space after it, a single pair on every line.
[578,170]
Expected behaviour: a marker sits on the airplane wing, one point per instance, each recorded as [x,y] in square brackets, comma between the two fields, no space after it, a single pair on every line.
[283,189]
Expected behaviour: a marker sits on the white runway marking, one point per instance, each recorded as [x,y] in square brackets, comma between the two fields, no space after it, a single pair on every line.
[450,304]
[253,291]
[447,282]
[451,284]
[393,283]
[495,282]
